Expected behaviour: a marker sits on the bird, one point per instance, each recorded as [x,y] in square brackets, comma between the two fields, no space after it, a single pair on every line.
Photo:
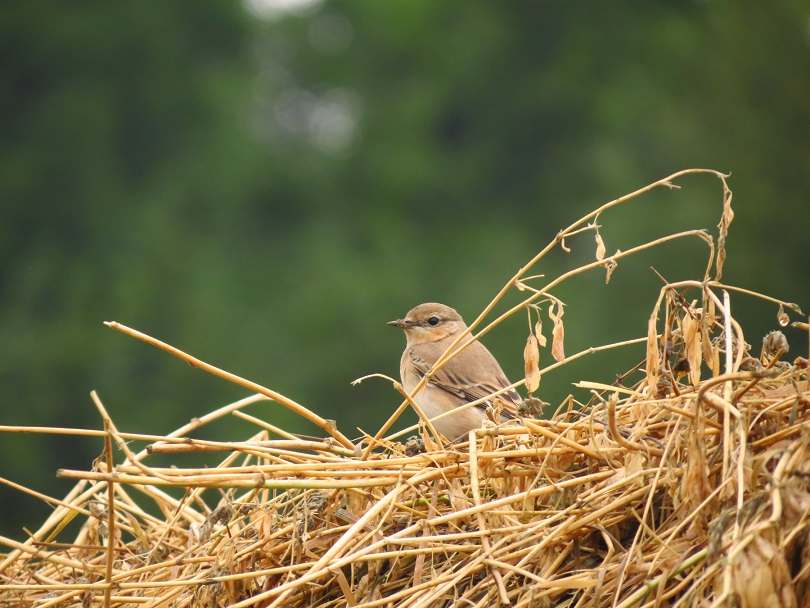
[472,374]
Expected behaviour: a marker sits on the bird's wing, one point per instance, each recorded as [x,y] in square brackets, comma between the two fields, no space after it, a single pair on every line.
[481,382]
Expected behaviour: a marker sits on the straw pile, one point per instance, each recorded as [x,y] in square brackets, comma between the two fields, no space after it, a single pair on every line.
[689,486]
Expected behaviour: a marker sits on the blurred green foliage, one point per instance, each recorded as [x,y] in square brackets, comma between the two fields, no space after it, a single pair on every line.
[267,193]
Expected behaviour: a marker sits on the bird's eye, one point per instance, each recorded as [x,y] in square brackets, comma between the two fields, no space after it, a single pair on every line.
[433,321]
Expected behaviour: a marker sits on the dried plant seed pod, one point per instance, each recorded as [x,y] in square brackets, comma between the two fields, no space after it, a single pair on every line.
[773,343]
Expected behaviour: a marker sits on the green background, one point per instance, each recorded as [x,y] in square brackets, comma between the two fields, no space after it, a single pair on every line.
[266,190]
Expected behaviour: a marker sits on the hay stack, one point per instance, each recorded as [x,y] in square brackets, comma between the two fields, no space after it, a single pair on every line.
[689,486]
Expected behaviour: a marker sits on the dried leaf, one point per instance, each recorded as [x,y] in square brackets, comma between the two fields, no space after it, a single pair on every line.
[531,359]
[633,464]
[725,222]
[782,316]
[693,349]
[706,341]
[600,248]
[695,486]
[761,576]
[610,267]
[538,331]
[558,333]
[458,497]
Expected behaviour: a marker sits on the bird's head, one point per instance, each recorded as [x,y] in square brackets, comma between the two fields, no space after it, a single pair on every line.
[429,323]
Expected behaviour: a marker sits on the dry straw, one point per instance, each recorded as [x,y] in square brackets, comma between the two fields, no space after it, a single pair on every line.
[688,488]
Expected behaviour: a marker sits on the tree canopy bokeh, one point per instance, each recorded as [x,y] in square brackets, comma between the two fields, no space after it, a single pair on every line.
[265,189]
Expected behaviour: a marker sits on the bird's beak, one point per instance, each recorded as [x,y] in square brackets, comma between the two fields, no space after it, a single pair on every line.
[401,323]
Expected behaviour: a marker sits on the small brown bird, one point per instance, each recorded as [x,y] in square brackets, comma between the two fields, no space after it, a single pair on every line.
[470,375]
